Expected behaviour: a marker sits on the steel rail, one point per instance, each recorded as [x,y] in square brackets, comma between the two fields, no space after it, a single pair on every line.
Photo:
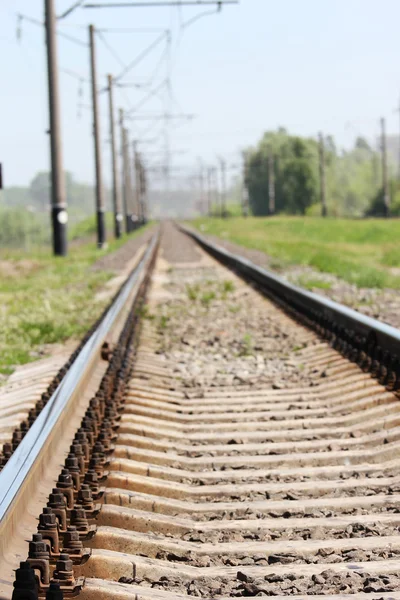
[346,321]
[16,470]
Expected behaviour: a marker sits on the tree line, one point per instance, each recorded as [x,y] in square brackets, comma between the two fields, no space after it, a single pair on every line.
[353,177]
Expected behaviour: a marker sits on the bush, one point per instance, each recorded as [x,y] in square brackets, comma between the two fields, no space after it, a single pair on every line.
[23,228]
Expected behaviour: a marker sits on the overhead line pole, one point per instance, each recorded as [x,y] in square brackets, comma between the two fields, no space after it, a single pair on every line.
[138,207]
[125,167]
[209,175]
[116,192]
[143,193]
[100,206]
[385,182]
[59,215]
[322,179]
[223,186]
[271,183]
[129,194]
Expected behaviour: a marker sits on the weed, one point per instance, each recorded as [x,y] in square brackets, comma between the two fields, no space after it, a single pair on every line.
[192,292]
[163,322]
[234,308]
[207,298]
[228,287]
[276,265]
[246,345]
[143,312]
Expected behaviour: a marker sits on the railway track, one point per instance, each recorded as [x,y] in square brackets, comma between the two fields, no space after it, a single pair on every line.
[213,439]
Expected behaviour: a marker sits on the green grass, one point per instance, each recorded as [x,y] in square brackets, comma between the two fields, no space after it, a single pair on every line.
[362,252]
[312,283]
[87,227]
[47,300]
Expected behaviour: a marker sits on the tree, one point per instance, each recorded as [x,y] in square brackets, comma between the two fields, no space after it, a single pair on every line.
[39,188]
[296,181]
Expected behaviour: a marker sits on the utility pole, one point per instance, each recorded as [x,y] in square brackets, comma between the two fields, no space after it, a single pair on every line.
[398,151]
[209,178]
[216,191]
[222,164]
[143,192]
[243,187]
[129,195]
[100,209]
[385,182]
[201,185]
[138,216]
[271,183]
[115,175]
[322,182]
[124,142]
[59,215]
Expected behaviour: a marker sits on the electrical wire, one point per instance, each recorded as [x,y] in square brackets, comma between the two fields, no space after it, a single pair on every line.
[66,36]
[200,16]
[131,30]
[71,9]
[140,57]
[150,95]
[110,49]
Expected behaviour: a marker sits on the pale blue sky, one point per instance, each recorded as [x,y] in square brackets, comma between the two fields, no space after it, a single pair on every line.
[309,65]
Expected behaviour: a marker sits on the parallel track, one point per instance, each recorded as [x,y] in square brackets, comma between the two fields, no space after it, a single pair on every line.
[240,452]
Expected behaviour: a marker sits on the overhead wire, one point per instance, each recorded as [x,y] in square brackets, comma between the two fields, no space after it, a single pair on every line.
[110,49]
[71,9]
[140,57]
[151,94]
[21,17]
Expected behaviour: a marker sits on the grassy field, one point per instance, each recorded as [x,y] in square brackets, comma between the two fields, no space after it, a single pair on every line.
[46,300]
[363,252]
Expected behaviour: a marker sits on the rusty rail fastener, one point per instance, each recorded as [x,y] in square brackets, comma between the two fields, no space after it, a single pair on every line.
[54,592]
[57,502]
[48,529]
[66,485]
[25,587]
[39,559]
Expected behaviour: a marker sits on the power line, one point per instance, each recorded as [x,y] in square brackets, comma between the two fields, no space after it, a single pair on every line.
[70,9]
[111,49]
[66,36]
[161,3]
[161,116]
[141,56]
[131,30]
[150,95]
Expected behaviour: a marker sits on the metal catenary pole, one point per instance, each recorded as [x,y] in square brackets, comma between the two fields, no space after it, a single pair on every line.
[271,184]
[137,206]
[209,179]
[100,206]
[128,183]
[124,142]
[59,215]
[143,192]
[223,186]
[322,179]
[385,182]
[116,192]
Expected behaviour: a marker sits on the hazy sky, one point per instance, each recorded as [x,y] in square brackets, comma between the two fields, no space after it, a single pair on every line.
[308,65]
